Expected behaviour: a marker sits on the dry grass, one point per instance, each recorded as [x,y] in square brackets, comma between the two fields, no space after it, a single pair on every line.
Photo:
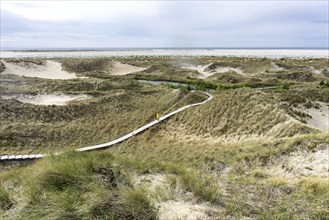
[215,153]
[319,186]
[77,125]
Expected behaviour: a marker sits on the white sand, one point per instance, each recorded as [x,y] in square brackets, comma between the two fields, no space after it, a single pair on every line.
[150,181]
[205,74]
[119,68]
[181,210]
[302,163]
[227,69]
[315,71]
[275,67]
[200,68]
[51,70]
[320,117]
[276,53]
[47,99]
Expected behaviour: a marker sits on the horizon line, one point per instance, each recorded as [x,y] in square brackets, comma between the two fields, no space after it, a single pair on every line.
[154,48]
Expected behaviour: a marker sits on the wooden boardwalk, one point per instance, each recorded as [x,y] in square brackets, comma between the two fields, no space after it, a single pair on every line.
[108,144]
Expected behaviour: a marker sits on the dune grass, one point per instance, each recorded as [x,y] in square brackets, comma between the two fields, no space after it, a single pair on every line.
[99,184]
[215,154]
[5,200]
[74,185]
[51,128]
[202,186]
[128,203]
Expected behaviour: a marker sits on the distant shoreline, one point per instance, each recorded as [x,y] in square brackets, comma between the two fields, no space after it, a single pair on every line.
[159,48]
[172,52]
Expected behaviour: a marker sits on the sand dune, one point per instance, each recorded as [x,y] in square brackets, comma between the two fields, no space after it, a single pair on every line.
[200,68]
[275,67]
[205,74]
[47,99]
[320,117]
[119,68]
[50,70]
[301,163]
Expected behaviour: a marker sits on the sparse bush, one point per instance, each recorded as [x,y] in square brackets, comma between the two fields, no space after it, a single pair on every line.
[283,86]
[203,85]
[2,67]
[324,84]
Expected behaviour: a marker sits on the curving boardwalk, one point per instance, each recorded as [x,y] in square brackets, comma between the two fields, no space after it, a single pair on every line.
[108,144]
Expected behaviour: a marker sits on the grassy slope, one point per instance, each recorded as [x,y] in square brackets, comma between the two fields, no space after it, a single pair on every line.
[98,120]
[217,152]
[103,186]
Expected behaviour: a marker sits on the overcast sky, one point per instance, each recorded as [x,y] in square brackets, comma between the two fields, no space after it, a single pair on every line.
[117,24]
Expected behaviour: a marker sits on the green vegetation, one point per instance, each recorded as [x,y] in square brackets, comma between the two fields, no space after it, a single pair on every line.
[5,201]
[202,186]
[85,65]
[127,204]
[2,67]
[220,155]
[50,128]
[102,187]
[324,84]
[26,61]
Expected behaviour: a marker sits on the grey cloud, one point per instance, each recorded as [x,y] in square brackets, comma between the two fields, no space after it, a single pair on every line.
[183,24]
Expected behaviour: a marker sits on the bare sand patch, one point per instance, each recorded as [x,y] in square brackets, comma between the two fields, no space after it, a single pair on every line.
[205,74]
[174,203]
[275,67]
[200,68]
[302,163]
[320,117]
[48,70]
[47,99]
[181,210]
[315,117]
[317,71]
[119,68]
[150,181]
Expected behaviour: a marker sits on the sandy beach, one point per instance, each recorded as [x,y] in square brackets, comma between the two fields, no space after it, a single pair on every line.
[269,53]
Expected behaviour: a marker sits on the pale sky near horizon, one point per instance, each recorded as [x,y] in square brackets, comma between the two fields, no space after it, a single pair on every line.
[117,24]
